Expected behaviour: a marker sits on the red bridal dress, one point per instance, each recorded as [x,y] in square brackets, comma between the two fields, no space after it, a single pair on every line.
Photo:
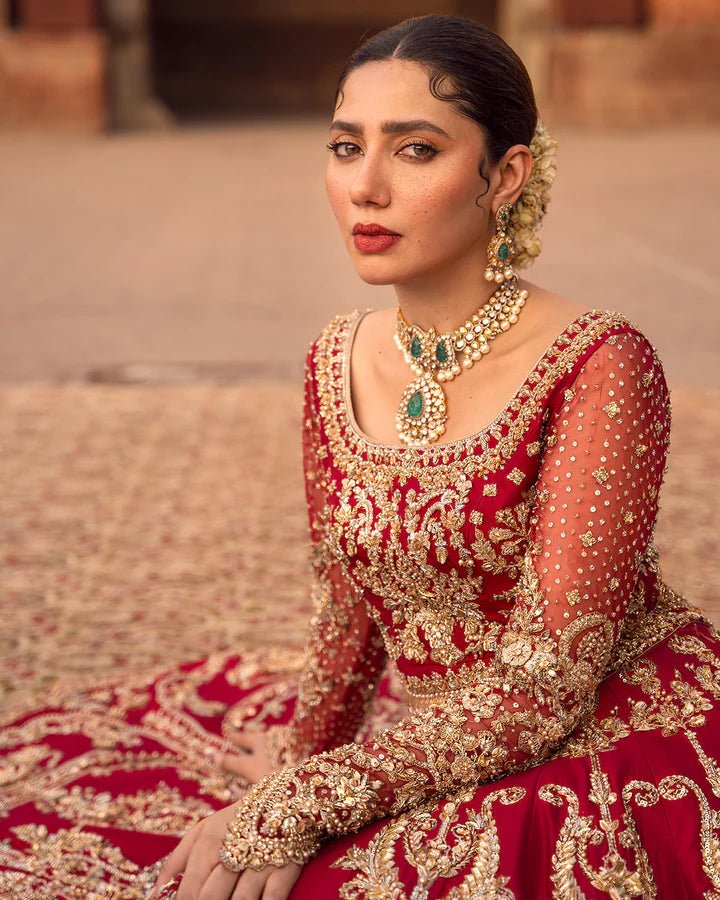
[501,697]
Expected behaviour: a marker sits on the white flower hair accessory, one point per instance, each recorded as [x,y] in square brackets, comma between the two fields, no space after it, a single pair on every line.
[528,211]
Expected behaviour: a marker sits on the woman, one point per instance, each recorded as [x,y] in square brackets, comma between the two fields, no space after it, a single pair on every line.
[561,698]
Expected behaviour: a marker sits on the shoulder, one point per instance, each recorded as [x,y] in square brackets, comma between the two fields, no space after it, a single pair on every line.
[614,368]
[615,342]
[590,332]
[577,337]
[597,348]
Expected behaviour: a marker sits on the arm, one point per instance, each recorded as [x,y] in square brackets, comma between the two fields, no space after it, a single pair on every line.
[595,511]
[344,654]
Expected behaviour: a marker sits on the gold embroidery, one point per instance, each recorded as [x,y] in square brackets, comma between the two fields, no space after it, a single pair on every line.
[601,475]
[473,846]
[76,857]
[160,809]
[675,787]
[613,877]
[502,550]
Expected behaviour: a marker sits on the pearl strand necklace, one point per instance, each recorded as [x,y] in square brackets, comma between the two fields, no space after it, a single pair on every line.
[422,414]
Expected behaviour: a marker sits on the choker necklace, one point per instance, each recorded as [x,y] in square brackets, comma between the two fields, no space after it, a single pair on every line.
[422,413]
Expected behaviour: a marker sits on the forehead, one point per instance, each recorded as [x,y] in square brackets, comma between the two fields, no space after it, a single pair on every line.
[397,89]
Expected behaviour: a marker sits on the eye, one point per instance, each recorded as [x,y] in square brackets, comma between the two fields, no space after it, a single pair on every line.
[432,151]
[335,146]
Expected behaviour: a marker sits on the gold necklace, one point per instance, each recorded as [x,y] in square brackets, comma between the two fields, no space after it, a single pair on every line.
[422,413]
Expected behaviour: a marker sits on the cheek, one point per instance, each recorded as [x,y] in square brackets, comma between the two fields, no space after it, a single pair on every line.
[337,190]
[444,203]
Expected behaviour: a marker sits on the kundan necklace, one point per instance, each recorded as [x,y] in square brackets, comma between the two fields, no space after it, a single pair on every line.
[422,413]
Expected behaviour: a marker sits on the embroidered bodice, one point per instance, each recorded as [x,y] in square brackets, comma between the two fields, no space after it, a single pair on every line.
[504,576]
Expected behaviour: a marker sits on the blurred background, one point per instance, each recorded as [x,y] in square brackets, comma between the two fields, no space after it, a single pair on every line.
[167,253]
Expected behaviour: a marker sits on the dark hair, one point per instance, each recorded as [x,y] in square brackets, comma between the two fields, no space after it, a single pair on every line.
[486,80]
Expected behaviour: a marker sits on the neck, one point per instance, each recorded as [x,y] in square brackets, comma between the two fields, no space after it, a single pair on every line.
[444,301]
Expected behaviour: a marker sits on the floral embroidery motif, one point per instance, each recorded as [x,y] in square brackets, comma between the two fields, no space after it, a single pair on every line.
[472,845]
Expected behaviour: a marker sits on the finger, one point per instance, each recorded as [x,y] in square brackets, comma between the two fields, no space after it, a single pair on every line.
[203,859]
[219,884]
[163,889]
[238,765]
[250,885]
[177,860]
[247,740]
[281,882]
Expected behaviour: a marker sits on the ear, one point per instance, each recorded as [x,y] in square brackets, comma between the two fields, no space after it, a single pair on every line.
[513,171]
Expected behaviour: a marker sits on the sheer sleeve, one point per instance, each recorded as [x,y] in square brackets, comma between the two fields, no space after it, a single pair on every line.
[344,654]
[596,503]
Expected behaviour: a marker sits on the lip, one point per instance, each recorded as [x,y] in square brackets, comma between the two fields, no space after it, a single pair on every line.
[371,228]
[375,243]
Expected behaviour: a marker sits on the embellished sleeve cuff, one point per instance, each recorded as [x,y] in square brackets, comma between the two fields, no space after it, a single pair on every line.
[266,830]
[286,816]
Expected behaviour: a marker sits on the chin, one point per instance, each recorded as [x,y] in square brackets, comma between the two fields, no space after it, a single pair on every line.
[376,271]
[377,277]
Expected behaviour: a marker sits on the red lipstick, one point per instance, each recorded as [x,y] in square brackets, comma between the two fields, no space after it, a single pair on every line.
[373,238]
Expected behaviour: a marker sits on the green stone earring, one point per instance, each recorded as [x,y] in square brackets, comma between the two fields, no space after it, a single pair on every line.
[500,251]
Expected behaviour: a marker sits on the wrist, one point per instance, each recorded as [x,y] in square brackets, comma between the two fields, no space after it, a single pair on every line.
[267,831]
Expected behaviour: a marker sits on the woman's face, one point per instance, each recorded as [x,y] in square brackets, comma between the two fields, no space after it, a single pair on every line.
[412,180]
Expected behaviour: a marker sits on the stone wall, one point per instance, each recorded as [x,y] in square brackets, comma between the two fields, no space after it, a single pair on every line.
[675,12]
[626,79]
[52,79]
[664,71]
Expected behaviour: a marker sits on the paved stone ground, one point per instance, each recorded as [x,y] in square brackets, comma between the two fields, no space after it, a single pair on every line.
[218,246]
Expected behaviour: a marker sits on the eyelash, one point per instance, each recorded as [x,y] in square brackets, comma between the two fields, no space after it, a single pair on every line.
[333,145]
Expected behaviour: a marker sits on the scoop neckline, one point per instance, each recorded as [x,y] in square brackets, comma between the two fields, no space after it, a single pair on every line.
[448,446]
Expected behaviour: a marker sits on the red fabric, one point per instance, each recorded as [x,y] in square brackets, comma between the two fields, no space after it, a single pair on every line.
[496,560]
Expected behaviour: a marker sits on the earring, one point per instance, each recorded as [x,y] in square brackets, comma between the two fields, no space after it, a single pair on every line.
[500,251]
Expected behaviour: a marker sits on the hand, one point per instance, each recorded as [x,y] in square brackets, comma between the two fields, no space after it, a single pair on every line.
[205,878]
[254,763]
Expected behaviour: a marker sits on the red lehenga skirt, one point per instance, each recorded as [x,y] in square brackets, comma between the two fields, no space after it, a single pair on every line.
[100,784]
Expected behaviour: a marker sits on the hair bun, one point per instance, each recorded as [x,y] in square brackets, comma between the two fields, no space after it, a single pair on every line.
[528,212]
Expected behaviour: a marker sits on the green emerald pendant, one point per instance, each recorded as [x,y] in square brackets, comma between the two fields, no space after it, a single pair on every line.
[415,347]
[415,405]
[441,352]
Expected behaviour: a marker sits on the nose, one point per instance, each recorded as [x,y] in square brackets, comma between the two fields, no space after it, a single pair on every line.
[370,184]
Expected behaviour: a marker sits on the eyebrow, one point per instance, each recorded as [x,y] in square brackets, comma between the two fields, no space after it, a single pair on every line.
[391,127]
